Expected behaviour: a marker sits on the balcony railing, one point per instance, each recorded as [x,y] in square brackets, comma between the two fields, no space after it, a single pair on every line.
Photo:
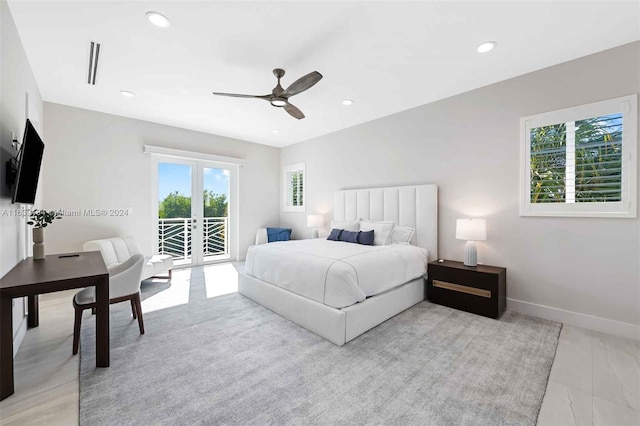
[214,231]
[175,237]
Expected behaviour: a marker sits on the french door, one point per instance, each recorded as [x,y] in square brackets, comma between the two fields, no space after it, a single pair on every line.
[195,210]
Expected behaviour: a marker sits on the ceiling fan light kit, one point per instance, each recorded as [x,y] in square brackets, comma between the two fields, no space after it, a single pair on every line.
[279,97]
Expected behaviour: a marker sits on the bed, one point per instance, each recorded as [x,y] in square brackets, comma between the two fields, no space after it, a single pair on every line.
[359,289]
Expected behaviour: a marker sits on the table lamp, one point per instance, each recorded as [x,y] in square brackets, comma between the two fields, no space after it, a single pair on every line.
[471,230]
[314,221]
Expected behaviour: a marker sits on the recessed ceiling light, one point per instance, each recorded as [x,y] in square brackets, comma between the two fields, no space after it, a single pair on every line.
[347,102]
[486,46]
[158,20]
[275,131]
[127,93]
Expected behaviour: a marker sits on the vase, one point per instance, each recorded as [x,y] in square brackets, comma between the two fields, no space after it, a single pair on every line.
[38,243]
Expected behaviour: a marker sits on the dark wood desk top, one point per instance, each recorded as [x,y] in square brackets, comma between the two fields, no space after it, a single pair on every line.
[52,273]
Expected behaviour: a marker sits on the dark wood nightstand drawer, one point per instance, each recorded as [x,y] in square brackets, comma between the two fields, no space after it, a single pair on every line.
[480,290]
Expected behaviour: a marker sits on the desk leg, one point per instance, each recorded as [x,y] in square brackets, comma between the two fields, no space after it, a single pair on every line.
[102,322]
[6,347]
[33,320]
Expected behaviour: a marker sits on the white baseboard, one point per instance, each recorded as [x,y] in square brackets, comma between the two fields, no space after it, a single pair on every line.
[618,328]
[19,336]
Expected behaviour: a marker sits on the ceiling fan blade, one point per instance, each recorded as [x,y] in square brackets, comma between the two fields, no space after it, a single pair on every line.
[293,111]
[302,84]
[237,95]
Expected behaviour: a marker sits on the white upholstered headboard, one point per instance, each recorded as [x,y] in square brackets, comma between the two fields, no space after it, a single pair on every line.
[415,206]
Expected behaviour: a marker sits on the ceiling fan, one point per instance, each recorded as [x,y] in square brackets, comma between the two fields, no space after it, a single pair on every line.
[279,97]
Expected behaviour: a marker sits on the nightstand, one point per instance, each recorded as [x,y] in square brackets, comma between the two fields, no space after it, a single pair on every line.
[478,289]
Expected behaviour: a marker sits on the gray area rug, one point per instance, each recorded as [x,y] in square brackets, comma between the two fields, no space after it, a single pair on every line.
[227,360]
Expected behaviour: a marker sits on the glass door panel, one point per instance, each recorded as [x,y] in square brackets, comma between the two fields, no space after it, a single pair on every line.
[194,204]
[175,214]
[215,218]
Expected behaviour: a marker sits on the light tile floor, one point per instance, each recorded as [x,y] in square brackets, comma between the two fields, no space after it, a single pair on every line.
[46,373]
[595,378]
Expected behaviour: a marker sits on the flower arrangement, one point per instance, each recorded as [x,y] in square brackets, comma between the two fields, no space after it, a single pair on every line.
[42,218]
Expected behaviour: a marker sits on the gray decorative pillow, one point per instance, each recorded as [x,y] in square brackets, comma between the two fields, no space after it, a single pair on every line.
[366,237]
[335,235]
[349,236]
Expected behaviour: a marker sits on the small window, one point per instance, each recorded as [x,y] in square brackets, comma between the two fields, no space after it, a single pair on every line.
[294,187]
[581,161]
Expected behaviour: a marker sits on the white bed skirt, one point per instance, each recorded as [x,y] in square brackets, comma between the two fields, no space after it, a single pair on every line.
[339,326]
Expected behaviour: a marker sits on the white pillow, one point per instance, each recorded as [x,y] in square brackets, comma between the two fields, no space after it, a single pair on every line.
[347,225]
[402,235]
[381,231]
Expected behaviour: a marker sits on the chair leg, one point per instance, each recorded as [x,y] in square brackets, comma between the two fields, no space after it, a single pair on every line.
[170,274]
[76,329]
[139,311]
[133,308]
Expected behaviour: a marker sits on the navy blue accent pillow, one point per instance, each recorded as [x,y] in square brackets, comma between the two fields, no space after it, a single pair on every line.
[349,236]
[365,237]
[278,234]
[334,235]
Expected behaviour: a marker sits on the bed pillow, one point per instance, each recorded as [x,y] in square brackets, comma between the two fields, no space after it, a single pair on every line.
[382,230]
[366,237]
[401,235]
[334,235]
[349,236]
[278,234]
[347,225]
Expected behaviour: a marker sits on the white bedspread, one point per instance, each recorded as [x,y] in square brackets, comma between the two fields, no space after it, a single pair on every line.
[335,273]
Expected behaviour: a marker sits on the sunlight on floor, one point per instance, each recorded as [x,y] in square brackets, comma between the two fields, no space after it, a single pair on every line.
[220,279]
[175,295]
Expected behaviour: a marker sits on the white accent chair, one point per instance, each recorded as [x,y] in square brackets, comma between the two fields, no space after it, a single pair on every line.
[124,285]
[261,236]
[117,250]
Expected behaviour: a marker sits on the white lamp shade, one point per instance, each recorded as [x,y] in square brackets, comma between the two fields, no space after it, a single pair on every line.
[471,229]
[314,221]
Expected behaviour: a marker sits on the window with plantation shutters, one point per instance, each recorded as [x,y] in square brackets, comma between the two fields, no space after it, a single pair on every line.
[294,184]
[581,161]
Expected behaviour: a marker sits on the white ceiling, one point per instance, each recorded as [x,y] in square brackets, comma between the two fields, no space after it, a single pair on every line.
[387,56]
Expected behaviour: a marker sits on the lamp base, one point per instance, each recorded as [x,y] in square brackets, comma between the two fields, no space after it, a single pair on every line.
[470,254]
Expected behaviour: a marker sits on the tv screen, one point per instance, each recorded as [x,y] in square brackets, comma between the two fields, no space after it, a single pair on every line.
[29,162]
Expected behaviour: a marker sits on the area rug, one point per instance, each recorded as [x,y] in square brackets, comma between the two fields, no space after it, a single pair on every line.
[227,360]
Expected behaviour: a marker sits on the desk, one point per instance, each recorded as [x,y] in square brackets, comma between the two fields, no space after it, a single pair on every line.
[54,273]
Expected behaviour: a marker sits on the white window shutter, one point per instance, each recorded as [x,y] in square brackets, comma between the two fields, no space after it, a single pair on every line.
[294,187]
[581,161]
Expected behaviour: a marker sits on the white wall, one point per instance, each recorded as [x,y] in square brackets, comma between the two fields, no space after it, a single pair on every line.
[577,269]
[95,161]
[16,82]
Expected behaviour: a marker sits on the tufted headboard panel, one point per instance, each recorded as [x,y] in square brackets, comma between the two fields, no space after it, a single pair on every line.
[414,206]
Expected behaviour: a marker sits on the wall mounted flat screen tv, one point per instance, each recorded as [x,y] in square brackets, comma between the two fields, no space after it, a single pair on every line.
[29,162]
